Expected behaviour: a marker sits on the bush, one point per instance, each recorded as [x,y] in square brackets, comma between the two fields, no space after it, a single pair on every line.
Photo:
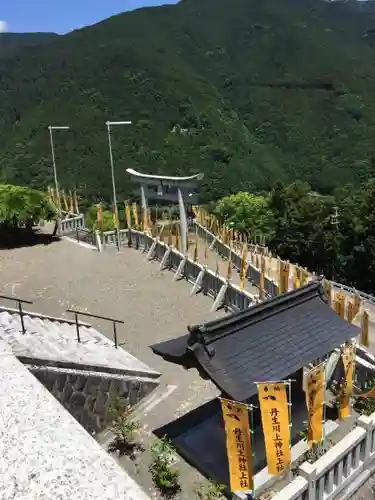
[165,477]
[210,491]
[21,206]
[365,406]
[124,428]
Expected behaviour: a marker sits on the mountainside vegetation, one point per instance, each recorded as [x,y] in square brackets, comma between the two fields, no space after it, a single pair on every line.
[247,92]
[11,43]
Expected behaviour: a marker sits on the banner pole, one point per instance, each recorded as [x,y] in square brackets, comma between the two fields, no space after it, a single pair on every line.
[252,432]
[290,427]
[275,382]
[325,407]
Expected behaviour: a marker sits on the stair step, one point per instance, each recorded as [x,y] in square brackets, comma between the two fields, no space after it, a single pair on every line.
[53,340]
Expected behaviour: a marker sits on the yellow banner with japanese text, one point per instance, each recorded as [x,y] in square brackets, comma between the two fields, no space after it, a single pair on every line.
[135,216]
[315,390]
[128,216]
[347,356]
[284,277]
[273,404]
[339,304]
[237,430]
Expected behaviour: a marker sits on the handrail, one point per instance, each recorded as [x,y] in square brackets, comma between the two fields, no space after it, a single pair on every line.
[19,302]
[90,315]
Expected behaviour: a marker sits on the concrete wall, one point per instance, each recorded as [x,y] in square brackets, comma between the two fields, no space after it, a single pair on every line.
[89,395]
[45,453]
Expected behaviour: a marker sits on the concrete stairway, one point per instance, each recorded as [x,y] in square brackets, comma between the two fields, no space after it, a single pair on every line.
[55,339]
[84,376]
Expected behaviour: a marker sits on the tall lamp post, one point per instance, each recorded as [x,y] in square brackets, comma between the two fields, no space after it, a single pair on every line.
[109,125]
[51,128]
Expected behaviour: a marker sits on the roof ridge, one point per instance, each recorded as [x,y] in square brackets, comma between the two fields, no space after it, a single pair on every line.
[211,331]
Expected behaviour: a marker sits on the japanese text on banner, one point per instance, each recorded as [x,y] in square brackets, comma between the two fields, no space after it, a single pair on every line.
[315,390]
[347,356]
[275,421]
[237,431]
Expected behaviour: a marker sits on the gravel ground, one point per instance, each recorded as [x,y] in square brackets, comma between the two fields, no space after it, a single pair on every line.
[125,286]
[366,492]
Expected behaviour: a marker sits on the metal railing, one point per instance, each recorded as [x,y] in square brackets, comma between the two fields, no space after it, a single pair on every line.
[85,235]
[19,303]
[69,225]
[89,315]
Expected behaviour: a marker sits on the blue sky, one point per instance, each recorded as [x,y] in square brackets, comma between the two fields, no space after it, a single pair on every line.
[64,15]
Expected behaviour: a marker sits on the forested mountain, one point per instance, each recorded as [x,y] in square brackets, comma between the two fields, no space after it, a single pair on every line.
[11,43]
[246,91]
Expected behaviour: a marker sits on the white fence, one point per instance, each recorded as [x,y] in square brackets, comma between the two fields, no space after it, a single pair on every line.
[224,293]
[253,271]
[70,225]
[341,471]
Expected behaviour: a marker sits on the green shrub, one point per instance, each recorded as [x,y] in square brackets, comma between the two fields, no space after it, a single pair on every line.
[165,477]
[210,491]
[124,428]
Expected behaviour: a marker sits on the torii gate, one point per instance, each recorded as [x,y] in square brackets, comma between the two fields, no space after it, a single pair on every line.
[172,189]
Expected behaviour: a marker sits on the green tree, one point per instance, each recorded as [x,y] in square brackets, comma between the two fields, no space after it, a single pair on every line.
[20,206]
[247,213]
[92,222]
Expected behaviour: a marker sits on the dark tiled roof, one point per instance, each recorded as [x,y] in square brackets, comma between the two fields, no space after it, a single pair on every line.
[269,341]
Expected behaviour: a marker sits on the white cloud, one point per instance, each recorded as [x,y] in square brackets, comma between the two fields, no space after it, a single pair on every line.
[3,26]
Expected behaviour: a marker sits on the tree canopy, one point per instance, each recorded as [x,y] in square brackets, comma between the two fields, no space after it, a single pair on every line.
[247,213]
[330,235]
[244,91]
[21,206]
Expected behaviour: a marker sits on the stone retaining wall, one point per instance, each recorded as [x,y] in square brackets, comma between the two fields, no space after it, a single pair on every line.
[88,396]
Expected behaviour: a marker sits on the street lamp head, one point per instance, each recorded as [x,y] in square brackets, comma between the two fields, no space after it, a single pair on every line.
[119,123]
[59,127]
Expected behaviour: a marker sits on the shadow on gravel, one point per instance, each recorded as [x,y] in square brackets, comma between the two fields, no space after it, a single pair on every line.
[24,238]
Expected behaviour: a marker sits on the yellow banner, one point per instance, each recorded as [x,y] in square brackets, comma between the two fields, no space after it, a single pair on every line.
[296,280]
[273,403]
[350,311]
[66,207]
[339,304]
[347,356]
[261,277]
[135,216]
[144,220]
[284,277]
[327,291]
[357,304]
[315,389]
[243,267]
[127,215]
[277,273]
[364,329]
[236,421]
[99,216]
